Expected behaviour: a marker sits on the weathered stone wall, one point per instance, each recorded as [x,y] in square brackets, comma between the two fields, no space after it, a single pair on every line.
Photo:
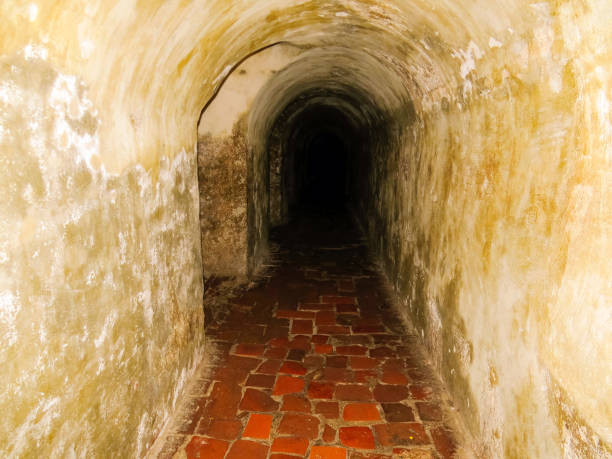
[493,223]
[100,292]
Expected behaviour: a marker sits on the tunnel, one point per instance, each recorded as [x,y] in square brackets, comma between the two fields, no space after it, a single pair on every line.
[151,153]
[321,166]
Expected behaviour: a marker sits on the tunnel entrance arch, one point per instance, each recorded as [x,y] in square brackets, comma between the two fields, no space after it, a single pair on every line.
[230,178]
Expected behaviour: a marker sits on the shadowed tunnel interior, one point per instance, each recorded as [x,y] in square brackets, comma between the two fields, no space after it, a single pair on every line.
[321,167]
[470,141]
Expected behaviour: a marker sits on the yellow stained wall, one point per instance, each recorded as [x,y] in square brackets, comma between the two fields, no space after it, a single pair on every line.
[499,244]
[494,220]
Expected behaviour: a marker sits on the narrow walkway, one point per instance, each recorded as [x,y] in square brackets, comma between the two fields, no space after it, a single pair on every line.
[314,363]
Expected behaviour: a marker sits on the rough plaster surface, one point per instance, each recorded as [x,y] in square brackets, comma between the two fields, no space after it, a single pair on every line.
[489,202]
[100,292]
[222,178]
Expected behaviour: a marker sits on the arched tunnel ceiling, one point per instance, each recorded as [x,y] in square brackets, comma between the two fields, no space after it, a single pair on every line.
[184,50]
[359,84]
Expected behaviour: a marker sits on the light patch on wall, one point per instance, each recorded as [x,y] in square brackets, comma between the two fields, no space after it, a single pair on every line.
[144,300]
[86,43]
[9,308]
[603,109]
[8,92]
[555,81]
[34,51]
[37,424]
[226,71]
[109,323]
[493,43]
[142,432]
[87,48]
[32,12]
[69,100]
[468,58]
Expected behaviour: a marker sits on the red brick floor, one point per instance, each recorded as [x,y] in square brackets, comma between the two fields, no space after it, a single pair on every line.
[313,362]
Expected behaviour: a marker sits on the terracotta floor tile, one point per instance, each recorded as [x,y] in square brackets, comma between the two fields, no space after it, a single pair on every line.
[369,329]
[296,354]
[290,314]
[250,349]
[329,434]
[292,368]
[394,377]
[300,342]
[270,366]
[353,393]
[390,393]
[224,401]
[311,358]
[401,434]
[279,342]
[365,376]
[283,456]
[321,390]
[347,309]
[258,426]
[396,412]
[338,299]
[349,340]
[296,403]
[288,385]
[260,380]
[346,285]
[297,424]
[313,361]
[421,392]
[224,429]
[393,365]
[242,449]
[200,447]
[323,348]
[317,307]
[257,400]
[333,329]
[380,352]
[337,361]
[325,318]
[351,350]
[337,375]
[293,445]
[276,353]
[235,368]
[363,363]
[361,412]
[329,410]
[301,327]
[327,452]
[357,437]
